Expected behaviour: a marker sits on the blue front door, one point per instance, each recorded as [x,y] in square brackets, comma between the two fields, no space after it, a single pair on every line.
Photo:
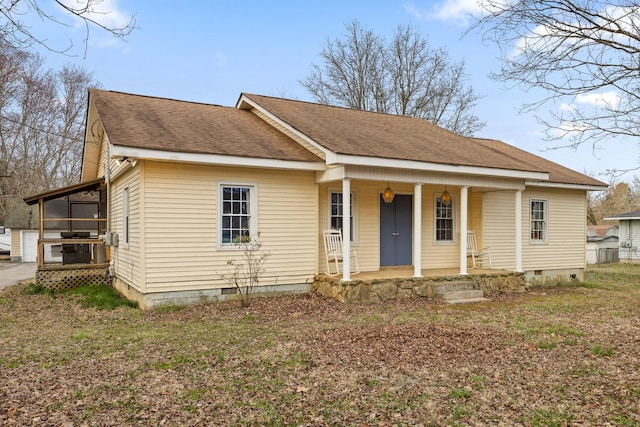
[396,233]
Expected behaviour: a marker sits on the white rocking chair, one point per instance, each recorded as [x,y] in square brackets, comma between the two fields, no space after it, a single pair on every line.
[479,257]
[333,252]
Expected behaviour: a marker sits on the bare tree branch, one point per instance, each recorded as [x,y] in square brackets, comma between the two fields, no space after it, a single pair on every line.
[585,54]
[41,130]
[88,12]
[405,76]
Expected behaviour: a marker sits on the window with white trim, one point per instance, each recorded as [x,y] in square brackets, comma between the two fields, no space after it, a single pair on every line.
[335,211]
[444,218]
[126,217]
[538,231]
[237,204]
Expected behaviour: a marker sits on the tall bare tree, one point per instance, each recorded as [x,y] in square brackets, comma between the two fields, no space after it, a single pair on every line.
[403,76]
[41,124]
[93,14]
[620,197]
[585,54]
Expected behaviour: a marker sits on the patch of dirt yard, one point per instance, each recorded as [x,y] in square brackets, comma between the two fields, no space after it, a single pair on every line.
[550,357]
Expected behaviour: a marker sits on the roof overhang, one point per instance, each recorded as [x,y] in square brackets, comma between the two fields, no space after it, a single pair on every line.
[65,191]
[566,186]
[119,151]
[345,159]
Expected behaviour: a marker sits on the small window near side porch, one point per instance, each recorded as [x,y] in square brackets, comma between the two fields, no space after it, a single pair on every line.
[335,212]
[538,231]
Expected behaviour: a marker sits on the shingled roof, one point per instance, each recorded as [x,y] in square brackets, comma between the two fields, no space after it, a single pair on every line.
[179,126]
[153,123]
[363,133]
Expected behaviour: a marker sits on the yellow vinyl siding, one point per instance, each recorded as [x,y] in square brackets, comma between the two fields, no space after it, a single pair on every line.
[181,225]
[16,247]
[104,156]
[128,259]
[474,222]
[498,228]
[566,242]
[441,254]
[566,223]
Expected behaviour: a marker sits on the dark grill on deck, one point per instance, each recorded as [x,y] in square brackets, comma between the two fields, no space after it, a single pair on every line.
[74,253]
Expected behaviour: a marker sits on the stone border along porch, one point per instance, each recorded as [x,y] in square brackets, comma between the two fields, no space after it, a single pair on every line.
[382,289]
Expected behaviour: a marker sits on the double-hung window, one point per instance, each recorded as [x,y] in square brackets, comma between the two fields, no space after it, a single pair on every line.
[444,227]
[237,213]
[538,225]
[335,212]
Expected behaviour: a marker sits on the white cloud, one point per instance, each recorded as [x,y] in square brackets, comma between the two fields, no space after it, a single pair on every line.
[609,99]
[458,11]
[105,12]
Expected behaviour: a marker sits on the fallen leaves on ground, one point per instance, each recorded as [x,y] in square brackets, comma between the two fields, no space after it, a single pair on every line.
[549,357]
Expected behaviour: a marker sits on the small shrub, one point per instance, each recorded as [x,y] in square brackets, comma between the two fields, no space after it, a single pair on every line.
[244,273]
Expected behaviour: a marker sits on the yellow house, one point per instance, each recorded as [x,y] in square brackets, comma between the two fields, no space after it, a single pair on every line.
[180,180]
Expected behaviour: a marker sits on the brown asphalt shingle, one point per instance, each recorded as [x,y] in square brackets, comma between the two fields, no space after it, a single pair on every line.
[178,126]
[364,133]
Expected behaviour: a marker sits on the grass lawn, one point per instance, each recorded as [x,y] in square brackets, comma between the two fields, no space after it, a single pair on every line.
[549,357]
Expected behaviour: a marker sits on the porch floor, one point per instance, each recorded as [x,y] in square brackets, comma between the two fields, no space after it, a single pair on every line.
[405,272]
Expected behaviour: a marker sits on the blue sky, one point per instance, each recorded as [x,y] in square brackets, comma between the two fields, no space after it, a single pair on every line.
[211,51]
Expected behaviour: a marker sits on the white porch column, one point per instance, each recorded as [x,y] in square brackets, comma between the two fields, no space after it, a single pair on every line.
[518,200]
[463,229]
[417,230]
[346,230]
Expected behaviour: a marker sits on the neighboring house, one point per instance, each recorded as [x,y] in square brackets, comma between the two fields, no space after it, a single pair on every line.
[629,234]
[178,181]
[5,241]
[602,244]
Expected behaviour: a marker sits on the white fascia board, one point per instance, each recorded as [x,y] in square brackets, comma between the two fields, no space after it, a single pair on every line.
[565,186]
[435,167]
[118,151]
[628,218]
[244,100]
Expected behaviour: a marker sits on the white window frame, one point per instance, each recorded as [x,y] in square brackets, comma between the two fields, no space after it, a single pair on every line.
[126,216]
[253,212]
[354,212]
[454,231]
[545,221]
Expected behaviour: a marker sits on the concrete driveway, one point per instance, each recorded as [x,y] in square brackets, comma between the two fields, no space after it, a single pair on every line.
[14,272]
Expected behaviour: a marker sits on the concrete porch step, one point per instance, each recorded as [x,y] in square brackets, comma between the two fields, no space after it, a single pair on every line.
[459,293]
[466,301]
[453,286]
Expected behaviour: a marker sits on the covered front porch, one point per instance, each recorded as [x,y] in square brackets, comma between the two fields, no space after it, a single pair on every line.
[416,227]
[395,283]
